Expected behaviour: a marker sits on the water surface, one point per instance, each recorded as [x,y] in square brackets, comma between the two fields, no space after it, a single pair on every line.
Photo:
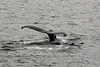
[27,48]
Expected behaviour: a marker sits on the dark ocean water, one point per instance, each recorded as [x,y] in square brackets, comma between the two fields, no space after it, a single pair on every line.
[28,48]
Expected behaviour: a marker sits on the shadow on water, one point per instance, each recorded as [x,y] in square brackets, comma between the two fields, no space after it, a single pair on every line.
[22,44]
[11,45]
[43,43]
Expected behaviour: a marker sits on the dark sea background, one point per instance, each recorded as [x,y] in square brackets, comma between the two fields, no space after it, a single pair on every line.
[80,19]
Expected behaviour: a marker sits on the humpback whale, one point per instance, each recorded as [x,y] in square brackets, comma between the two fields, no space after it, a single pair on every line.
[50,33]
